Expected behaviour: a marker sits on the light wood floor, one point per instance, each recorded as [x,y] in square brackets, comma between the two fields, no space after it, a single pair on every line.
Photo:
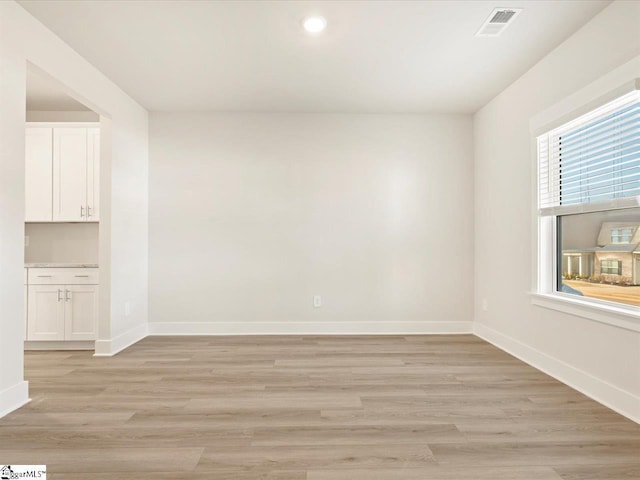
[316,408]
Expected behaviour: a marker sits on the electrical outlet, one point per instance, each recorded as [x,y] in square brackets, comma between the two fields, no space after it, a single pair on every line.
[485,304]
[26,240]
[317,301]
[127,309]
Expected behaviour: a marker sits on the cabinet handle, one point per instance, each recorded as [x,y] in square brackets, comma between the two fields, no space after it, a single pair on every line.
[88,211]
[67,295]
[81,276]
[59,294]
[44,276]
[81,211]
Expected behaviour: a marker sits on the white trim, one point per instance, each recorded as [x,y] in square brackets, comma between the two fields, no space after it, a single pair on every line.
[108,348]
[567,110]
[14,397]
[58,345]
[63,124]
[308,328]
[615,204]
[609,314]
[615,398]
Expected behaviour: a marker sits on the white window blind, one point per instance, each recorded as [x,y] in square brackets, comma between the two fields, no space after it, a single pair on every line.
[593,162]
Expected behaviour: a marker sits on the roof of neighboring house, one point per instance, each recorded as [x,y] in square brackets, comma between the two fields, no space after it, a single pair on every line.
[604,243]
[620,247]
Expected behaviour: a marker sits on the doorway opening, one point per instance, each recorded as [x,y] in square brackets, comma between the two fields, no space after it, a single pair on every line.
[63,139]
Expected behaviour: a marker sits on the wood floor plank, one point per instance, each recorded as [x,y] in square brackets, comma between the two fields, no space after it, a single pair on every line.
[566,431]
[222,474]
[26,417]
[299,407]
[355,435]
[600,472]
[538,453]
[106,459]
[316,457]
[129,435]
[438,472]
[277,401]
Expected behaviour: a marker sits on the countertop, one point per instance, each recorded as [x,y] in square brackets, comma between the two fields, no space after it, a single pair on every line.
[61,265]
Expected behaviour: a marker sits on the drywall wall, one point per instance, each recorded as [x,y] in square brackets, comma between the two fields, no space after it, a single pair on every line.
[253,215]
[601,360]
[124,167]
[61,243]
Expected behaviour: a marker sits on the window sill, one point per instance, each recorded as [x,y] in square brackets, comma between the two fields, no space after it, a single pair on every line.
[607,314]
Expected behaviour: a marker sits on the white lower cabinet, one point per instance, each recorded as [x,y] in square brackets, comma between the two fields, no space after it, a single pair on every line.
[45,317]
[61,311]
[80,312]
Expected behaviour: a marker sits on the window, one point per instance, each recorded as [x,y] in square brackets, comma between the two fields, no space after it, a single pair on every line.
[611,267]
[621,235]
[589,205]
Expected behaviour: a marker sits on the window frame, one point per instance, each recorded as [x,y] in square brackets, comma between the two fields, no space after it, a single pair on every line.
[547,253]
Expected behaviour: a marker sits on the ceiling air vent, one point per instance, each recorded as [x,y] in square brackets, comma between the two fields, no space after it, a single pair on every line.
[498,21]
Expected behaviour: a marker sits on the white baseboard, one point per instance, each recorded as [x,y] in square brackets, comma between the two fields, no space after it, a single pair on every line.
[309,328]
[615,398]
[14,397]
[108,348]
[58,345]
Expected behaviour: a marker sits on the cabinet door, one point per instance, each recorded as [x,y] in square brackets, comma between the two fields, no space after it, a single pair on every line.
[38,174]
[93,174]
[69,174]
[45,315]
[81,312]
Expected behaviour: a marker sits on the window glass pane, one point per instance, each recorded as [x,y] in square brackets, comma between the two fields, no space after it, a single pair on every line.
[599,255]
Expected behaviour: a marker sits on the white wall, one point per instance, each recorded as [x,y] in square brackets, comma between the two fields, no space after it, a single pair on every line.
[252,215]
[123,226]
[61,243]
[601,360]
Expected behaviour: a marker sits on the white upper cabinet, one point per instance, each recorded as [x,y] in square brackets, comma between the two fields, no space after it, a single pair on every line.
[39,174]
[69,174]
[62,174]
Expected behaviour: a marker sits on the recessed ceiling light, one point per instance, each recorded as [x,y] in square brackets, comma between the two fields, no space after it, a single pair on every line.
[314,25]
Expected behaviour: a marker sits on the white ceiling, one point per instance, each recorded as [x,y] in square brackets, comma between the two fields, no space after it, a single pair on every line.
[375,56]
[44,94]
